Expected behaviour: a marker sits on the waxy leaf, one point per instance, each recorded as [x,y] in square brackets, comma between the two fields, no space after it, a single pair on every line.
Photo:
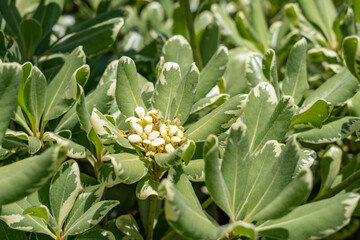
[269,68]
[127,90]
[9,233]
[332,131]
[21,178]
[183,153]
[128,225]
[253,70]
[219,120]
[209,102]
[317,220]
[351,49]
[336,90]
[212,72]
[31,33]
[74,149]
[178,50]
[185,94]
[10,77]
[94,39]
[129,168]
[295,83]
[166,88]
[312,115]
[34,144]
[91,217]
[65,187]
[60,83]
[97,234]
[195,170]
[147,187]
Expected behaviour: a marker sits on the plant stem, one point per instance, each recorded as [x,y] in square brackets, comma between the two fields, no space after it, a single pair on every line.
[151,217]
[206,203]
[338,188]
[185,7]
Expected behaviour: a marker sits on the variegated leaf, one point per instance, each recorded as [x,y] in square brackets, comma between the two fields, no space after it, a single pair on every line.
[91,217]
[64,189]
[129,168]
[219,120]
[127,90]
[177,49]
[61,81]
[183,153]
[147,187]
[108,133]
[195,170]
[166,88]
[209,102]
[34,144]
[212,72]
[128,225]
[75,150]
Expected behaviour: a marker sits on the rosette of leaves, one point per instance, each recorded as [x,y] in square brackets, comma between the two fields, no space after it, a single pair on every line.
[181,91]
[62,208]
[33,32]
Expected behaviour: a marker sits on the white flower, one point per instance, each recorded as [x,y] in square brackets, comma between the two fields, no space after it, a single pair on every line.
[175,140]
[148,129]
[180,133]
[148,119]
[134,138]
[132,119]
[154,135]
[173,130]
[138,128]
[140,111]
[152,112]
[163,130]
[158,141]
[147,141]
[169,148]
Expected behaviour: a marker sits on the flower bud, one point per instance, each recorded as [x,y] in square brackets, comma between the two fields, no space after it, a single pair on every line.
[158,141]
[134,138]
[153,135]
[148,119]
[148,129]
[180,134]
[138,128]
[173,130]
[169,148]
[175,140]
[147,141]
[163,130]
[140,111]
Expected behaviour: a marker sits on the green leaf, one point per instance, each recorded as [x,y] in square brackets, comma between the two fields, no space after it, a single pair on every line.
[351,52]
[12,17]
[74,150]
[43,212]
[209,41]
[129,168]
[35,95]
[65,187]
[71,92]
[269,67]
[274,180]
[10,77]
[185,94]
[107,176]
[147,187]
[57,87]
[312,115]
[219,120]
[214,178]
[238,228]
[212,72]
[335,129]
[83,112]
[207,104]
[147,91]
[177,49]
[329,167]
[48,13]
[108,133]
[322,14]
[195,170]
[12,215]
[261,104]
[166,87]
[306,160]
[91,217]
[295,193]
[336,90]
[94,39]
[128,225]
[97,234]
[254,70]
[86,198]
[183,211]
[31,33]
[8,233]
[102,98]
[21,178]
[127,90]
[34,144]
[317,220]
[259,22]
[229,29]
[183,153]
[295,82]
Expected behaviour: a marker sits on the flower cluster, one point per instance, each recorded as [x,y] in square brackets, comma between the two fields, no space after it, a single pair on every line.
[148,130]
